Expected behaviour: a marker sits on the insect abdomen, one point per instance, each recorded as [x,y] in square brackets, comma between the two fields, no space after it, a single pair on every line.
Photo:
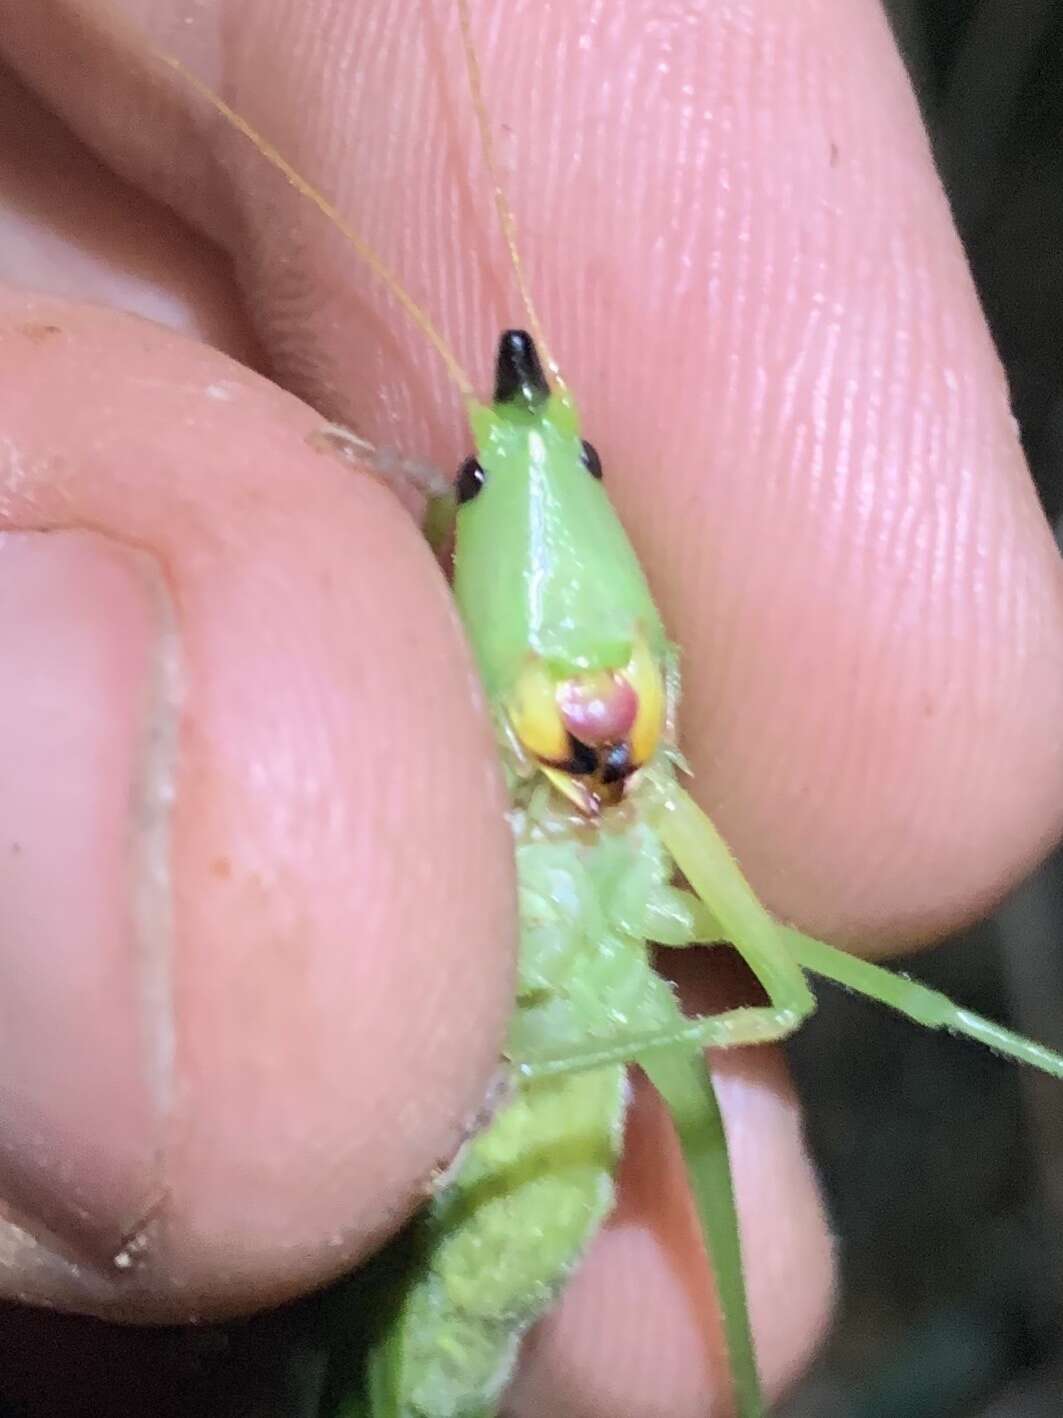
[493,1250]
[500,1242]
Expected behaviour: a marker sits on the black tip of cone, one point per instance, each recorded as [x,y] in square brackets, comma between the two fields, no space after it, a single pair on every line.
[519,376]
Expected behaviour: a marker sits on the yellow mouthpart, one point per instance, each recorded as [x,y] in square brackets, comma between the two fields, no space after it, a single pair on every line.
[643,673]
[535,713]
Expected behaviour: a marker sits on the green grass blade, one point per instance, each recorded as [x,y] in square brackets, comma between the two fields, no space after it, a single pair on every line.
[682,1078]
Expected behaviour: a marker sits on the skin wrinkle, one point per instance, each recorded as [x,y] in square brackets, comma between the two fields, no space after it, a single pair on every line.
[151,822]
[75,1179]
[151,890]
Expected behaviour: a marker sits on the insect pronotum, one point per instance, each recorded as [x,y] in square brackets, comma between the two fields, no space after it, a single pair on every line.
[613,856]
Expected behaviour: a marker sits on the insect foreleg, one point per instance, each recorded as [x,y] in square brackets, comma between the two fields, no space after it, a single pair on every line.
[749,1024]
[791,1002]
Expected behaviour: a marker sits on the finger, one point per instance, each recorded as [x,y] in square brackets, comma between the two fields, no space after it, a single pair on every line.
[249,804]
[743,253]
[70,227]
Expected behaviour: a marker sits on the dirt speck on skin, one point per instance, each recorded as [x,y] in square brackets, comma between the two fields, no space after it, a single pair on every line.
[39,331]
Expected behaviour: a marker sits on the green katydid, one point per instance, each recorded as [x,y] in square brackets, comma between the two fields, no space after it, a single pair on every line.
[613,857]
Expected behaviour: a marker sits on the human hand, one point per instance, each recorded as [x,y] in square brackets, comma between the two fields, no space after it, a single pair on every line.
[248,998]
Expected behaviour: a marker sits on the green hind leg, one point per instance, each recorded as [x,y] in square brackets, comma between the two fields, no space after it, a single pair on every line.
[683,1080]
[919,1003]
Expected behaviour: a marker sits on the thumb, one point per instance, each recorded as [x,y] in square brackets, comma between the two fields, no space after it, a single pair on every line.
[248,804]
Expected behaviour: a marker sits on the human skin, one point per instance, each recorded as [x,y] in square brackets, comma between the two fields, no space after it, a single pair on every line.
[259,895]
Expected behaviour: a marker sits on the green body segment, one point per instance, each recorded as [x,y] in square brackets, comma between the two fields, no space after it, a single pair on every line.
[495,1246]
[542,565]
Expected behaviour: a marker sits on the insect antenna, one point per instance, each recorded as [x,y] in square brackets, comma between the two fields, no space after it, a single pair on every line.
[368,255]
[506,219]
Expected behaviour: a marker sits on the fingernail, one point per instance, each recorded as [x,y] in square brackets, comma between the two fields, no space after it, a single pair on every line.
[83,1000]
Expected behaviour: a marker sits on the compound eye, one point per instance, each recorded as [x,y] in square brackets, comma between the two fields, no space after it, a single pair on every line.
[591,461]
[471,478]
